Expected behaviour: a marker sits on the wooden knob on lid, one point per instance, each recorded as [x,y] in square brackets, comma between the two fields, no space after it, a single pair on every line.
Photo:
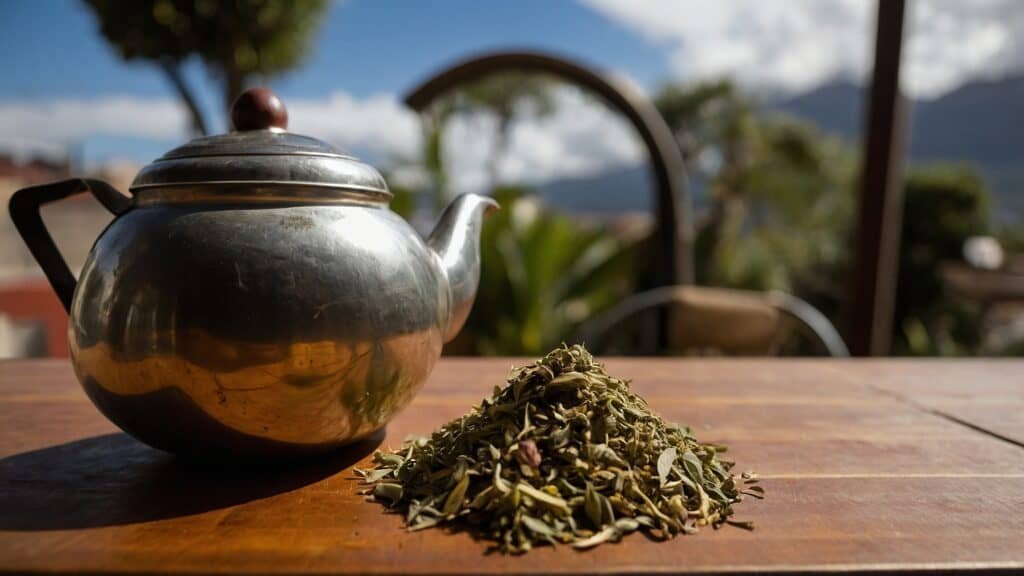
[258,109]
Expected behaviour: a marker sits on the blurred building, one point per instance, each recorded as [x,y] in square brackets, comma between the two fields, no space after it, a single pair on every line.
[32,320]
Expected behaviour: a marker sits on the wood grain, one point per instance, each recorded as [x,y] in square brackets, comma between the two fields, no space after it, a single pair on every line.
[952,392]
[861,475]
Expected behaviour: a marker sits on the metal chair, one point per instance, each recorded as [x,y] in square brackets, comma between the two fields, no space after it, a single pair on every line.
[696,318]
[711,320]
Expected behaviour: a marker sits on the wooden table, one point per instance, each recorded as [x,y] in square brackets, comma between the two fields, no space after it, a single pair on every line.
[869,466]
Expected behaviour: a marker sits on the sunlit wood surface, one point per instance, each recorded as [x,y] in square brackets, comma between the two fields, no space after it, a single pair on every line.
[889,465]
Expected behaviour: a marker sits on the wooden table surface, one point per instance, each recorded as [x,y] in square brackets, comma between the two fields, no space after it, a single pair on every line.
[873,466]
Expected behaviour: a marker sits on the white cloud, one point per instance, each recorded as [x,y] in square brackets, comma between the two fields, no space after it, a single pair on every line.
[379,124]
[581,137]
[950,41]
[792,44]
[53,126]
[798,44]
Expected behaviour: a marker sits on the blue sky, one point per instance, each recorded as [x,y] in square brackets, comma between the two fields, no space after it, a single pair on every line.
[52,48]
[64,90]
[52,51]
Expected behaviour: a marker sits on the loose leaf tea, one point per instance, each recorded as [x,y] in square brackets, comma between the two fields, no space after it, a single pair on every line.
[563,453]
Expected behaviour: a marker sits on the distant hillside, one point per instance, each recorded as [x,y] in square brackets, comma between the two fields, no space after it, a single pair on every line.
[835,107]
[623,190]
[614,192]
[980,122]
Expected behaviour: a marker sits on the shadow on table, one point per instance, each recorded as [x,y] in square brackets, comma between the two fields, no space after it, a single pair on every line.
[113,479]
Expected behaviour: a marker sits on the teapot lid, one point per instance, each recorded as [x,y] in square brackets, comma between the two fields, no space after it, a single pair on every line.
[262,155]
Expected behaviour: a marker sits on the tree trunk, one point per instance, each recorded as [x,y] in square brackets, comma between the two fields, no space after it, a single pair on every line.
[172,69]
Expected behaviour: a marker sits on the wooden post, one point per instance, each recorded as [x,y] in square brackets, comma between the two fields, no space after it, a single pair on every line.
[881,192]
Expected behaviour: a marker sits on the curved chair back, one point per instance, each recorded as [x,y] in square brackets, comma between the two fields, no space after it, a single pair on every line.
[673,234]
[715,320]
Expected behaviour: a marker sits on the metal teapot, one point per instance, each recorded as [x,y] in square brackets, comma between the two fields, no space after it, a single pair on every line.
[255,295]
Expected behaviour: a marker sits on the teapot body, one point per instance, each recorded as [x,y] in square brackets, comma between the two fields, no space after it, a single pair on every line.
[255,294]
[256,328]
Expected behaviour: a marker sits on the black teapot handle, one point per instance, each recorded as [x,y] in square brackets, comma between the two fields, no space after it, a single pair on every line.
[24,208]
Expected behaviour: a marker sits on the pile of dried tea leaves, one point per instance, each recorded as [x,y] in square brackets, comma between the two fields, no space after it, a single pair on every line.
[564,453]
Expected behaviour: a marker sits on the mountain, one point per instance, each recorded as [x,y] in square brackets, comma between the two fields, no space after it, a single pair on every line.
[981,122]
[614,192]
[835,107]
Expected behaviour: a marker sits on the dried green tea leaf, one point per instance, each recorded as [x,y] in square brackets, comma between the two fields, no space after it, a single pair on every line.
[372,476]
[646,521]
[754,491]
[563,452]
[592,506]
[537,526]
[393,460]
[422,523]
[626,525]
[665,462]
[554,503]
[693,466]
[601,537]
[390,492]
[454,501]
[605,455]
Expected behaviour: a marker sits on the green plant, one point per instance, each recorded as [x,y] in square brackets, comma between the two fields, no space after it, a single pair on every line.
[780,194]
[782,199]
[944,204]
[797,204]
[542,272]
[715,126]
[542,275]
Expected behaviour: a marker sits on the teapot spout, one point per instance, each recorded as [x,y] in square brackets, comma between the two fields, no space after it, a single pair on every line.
[456,242]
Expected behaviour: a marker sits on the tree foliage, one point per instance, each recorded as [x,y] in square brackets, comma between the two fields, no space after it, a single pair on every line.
[542,272]
[781,214]
[542,275]
[710,117]
[779,192]
[235,39]
[944,205]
